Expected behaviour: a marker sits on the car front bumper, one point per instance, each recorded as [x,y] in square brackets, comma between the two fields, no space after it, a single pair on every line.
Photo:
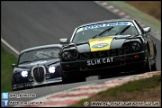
[34,84]
[122,63]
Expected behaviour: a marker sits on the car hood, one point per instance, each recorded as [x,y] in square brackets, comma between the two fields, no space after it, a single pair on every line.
[102,44]
[40,62]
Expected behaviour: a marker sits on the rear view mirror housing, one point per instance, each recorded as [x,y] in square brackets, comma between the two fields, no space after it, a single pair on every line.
[64,40]
[13,65]
[147,29]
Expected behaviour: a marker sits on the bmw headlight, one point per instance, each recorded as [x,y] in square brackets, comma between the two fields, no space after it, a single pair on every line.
[24,73]
[136,46]
[51,69]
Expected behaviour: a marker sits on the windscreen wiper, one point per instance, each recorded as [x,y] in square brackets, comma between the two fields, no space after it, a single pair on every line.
[108,29]
[134,36]
[122,31]
[25,62]
[127,36]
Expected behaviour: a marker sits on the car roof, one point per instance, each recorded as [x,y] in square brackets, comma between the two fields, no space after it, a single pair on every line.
[112,20]
[40,47]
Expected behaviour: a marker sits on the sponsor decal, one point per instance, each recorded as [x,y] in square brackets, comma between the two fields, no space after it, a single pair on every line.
[100,44]
[93,26]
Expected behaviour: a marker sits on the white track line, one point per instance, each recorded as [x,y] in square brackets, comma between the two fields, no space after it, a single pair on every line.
[8,45]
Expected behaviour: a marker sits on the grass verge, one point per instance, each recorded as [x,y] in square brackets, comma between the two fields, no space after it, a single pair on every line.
[6,70]
[147,90]
[137,14]
[152,8]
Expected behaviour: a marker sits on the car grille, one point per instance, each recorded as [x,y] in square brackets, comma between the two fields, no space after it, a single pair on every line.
[110,53]
[38,73]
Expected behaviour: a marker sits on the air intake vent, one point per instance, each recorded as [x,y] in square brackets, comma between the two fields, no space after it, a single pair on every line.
[38,73]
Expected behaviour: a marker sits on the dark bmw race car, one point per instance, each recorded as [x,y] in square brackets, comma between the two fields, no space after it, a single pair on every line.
[106,47]
[37,66]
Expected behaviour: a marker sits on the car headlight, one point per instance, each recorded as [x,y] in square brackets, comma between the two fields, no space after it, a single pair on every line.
[136,46]
[131,47]
[51,69]
[66,55]
[24,73]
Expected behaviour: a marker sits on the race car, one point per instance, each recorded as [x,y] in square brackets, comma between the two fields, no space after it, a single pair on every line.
[37,66]
[107,47]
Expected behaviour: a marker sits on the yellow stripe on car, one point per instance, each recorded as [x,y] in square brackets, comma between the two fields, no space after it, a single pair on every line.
[100,44]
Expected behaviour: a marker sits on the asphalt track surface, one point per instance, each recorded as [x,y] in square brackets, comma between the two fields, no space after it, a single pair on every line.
[27,24]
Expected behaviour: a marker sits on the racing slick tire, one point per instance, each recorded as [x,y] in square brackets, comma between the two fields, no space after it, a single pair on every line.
[71,79]
[13,89]
[153,67]
[147,67]
[101,76]
[12,86]
[105,75]
[66,79]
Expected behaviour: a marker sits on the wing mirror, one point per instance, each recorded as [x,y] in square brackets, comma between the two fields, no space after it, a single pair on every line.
[147,29]
[13,65]
[64,40]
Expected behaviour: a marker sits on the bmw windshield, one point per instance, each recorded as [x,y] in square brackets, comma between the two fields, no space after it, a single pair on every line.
[84,33]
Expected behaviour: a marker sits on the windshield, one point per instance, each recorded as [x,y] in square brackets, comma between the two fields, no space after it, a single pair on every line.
[39,54]
[83,34]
